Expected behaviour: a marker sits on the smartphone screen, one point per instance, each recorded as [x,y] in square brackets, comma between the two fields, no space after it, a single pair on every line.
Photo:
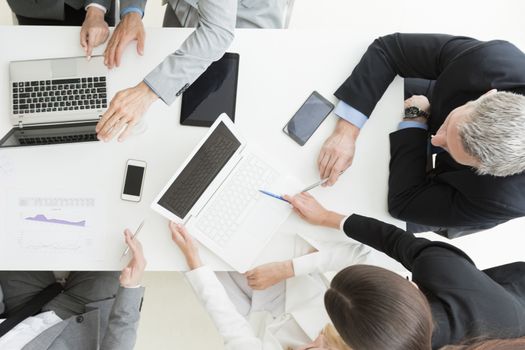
[308,118]
[133,183]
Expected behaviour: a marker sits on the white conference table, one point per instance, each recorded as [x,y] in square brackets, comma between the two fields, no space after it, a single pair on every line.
[278,70]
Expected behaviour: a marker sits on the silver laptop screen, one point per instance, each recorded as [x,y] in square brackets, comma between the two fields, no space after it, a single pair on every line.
[50,134]
[191,183]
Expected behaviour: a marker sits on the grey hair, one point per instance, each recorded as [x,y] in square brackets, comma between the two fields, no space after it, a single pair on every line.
[494,134]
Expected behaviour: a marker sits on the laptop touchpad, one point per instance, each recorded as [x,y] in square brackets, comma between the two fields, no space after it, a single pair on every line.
[63,68]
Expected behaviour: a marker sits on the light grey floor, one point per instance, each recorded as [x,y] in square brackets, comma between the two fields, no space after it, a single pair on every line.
[172,317]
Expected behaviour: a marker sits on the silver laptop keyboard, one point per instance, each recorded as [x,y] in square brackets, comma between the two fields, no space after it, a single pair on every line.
[43,96]
[221,218]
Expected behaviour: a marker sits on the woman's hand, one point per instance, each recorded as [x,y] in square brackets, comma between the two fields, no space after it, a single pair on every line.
[267,275]
[308,208]
[185,242]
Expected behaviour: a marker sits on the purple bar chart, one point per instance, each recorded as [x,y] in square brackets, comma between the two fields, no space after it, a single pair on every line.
[43,218]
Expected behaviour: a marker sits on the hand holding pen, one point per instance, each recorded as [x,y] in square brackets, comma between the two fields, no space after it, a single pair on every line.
[131,275]
[285,199]
[132,238]
[318,183]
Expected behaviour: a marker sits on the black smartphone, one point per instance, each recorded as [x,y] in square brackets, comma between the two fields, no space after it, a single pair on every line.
[308,118]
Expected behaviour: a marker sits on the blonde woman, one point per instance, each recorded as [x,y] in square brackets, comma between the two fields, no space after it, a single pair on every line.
[288,314]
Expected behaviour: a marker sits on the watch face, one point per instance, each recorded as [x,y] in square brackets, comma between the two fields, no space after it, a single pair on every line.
[412,112]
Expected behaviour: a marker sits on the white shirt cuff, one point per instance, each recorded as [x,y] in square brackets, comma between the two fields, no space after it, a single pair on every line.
[98,6]
[306,264]
[342,223]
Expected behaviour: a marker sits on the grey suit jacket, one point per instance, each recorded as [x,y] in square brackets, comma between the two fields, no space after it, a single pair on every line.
[106,325]
[215,22]
[250,13]
[49,9]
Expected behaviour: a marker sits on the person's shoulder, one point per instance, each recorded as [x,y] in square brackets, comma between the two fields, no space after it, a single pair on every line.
[495,50]
[440,261]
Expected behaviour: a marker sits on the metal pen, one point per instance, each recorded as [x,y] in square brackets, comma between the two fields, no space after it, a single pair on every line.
[134,235]
[320,182]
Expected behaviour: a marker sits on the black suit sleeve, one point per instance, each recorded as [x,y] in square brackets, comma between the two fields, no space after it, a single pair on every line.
[398,244]
[408,55]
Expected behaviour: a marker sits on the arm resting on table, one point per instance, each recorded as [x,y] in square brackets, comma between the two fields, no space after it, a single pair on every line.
[408,55]
[209,41]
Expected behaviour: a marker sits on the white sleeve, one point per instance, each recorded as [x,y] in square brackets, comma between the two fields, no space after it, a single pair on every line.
[332,256]
[209,41]
[235,330]
[99,6]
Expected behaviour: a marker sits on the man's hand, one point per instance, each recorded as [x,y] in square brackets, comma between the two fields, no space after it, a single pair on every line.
[130,28]
[132,274]
[95,30]
[419,101]
[337,152]
[308,208]
[125,110]
[185,242]
[267,275]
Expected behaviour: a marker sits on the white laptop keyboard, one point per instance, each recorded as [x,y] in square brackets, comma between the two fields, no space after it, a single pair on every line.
[221,218]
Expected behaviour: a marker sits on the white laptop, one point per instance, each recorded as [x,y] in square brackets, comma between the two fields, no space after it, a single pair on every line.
[215,193]
[58,100]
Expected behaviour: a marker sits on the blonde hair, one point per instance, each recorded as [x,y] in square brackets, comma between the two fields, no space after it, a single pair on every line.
[333,339]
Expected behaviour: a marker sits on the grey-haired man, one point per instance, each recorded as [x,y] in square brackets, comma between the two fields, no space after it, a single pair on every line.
[475,112]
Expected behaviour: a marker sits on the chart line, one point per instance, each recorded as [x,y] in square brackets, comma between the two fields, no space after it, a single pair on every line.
[43,218]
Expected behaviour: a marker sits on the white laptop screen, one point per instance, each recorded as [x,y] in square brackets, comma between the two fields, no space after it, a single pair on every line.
[191,183]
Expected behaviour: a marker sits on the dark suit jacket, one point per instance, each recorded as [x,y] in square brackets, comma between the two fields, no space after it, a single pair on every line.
[451,195]
[465,302]
[49,9]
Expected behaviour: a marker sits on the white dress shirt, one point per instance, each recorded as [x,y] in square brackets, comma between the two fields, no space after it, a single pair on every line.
[303,316]
[27,330]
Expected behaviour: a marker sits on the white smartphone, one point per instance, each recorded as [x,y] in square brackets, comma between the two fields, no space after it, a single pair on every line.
[133,180]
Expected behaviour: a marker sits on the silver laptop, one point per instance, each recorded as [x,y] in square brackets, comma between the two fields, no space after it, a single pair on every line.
[215,193]
[56,100]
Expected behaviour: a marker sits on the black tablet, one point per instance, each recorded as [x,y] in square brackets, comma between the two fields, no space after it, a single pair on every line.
[213,93]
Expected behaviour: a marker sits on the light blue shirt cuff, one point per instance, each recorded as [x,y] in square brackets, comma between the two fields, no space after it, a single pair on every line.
[127,10]
[412,124]
[350,114]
